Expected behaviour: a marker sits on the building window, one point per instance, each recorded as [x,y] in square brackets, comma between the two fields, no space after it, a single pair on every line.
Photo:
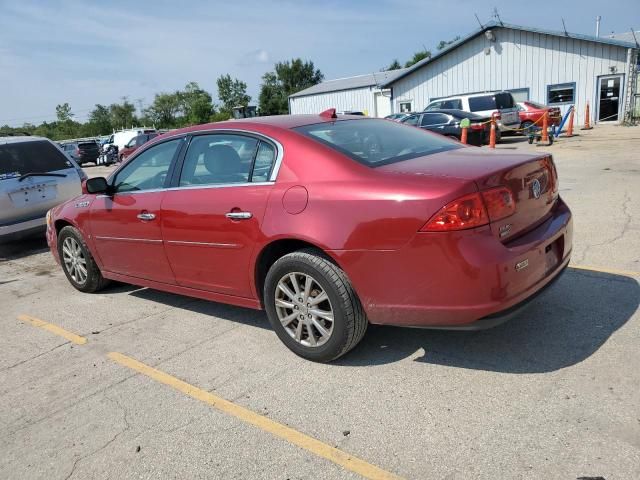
[520,94]
[561,93]
[405,107]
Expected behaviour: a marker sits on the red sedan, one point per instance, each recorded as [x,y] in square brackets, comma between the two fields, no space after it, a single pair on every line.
[135,143]
[531,112]
[328,223]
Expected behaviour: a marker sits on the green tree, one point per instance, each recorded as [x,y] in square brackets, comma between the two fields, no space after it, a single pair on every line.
[445,43]
[417,57]
[123,114]
[99,122]
[232,93]
[165,110]
[197,104]
[287,79]
[63,112]
[395,65]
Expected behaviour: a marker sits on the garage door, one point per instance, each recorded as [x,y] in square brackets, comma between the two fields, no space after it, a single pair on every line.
[383,105]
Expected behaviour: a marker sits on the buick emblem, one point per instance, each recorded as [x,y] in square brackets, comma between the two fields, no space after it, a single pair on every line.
[535,188]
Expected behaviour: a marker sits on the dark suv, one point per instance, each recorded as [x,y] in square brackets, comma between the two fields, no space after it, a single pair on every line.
[82,152]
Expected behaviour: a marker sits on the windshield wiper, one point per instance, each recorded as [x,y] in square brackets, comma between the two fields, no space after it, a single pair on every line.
[41,174]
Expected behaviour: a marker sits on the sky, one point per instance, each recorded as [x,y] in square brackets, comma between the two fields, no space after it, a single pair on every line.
[86,53]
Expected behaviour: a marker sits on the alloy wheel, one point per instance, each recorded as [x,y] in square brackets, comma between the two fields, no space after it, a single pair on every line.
[74,260]
[304,309]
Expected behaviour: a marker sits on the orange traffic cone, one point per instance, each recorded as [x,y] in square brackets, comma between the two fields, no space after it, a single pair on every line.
[587,123]
[545,127]
[463,137]
[570,128]
[492,134]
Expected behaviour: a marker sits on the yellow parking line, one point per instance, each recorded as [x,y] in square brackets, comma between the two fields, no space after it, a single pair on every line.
[289,434]
[36,322]
[626,273]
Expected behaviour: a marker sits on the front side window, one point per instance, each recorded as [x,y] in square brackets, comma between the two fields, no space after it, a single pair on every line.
[434,119]
[412,120]
[562,93]
[376,142]
[226,159]
[148,171]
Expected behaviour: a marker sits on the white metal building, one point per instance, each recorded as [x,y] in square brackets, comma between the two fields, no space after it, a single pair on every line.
[361,93]
[550,67]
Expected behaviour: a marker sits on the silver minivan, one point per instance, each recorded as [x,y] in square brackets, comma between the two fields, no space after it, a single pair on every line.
[484,104]
[35,175]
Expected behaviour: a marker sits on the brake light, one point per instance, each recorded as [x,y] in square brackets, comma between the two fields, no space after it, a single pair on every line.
[465,212]
[496,115]
[77,151]
[553,173]
[477,126]
[499,202]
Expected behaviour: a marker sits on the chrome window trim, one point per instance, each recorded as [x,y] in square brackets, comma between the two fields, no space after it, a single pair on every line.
[274,172]
[189,187]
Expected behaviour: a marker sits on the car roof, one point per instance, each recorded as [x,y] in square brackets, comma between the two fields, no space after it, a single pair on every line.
[455,112]
[284,122]
[21,139]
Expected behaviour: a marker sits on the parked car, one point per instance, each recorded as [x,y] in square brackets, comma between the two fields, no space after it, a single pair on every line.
[135,143]
[531,113]
[397,117]
[329,223]
[351,112]
[122,137]
[82,152]
[34,176]
[500,104]
[447,123]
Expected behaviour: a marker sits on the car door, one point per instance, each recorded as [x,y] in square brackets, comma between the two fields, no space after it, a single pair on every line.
[126,224]
[212,218]
[437,122]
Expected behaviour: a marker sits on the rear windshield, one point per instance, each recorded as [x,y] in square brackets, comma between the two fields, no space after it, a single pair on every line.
[17,159]
[377,142]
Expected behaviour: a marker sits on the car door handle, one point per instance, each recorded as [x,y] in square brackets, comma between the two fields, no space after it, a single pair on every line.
[238,215]
[146,216]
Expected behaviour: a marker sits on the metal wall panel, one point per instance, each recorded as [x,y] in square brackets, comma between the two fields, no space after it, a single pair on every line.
[361,99]
[517,59]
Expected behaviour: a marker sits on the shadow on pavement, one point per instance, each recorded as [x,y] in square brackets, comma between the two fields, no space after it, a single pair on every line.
[564,326]
[23,248]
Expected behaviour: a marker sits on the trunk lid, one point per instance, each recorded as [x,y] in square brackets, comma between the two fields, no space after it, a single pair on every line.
[532,180]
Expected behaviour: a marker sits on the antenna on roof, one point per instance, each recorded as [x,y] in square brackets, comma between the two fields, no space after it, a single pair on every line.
[481,26]
[635,38]
[565,28]
[496,15]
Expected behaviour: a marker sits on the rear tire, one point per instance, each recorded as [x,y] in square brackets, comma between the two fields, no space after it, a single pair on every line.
[525,127]
[77,263]
[304,326]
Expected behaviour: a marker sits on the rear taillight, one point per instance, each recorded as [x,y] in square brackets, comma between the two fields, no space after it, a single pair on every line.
[477,126]
[499,202]
[77,151]
[496,115]
[465,212]
[553,173]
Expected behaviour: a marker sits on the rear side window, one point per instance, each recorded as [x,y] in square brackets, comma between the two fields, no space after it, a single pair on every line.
[225,159]
[375,142]
[479,104]
[453,104]
[17,159]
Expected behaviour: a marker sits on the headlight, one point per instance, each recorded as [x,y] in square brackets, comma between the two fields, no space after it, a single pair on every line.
[49,219]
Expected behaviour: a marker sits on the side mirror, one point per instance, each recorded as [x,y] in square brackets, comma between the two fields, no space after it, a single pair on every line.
[95,185]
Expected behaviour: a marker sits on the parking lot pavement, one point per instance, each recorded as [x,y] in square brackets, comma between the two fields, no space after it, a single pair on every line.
[551,394]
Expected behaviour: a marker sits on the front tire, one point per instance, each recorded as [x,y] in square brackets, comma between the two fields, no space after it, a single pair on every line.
[312,306]
[77,263]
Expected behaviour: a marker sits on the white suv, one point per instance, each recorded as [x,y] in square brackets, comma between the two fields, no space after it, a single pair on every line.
[483,104]
[35,175]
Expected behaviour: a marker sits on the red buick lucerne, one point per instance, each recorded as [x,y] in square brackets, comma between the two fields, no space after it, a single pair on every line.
[327,222]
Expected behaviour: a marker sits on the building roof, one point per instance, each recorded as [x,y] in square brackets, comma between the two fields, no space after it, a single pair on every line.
[496,24]
[626,36]
[349,83]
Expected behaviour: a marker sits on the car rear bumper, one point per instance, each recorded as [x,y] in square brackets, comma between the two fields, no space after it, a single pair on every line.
[18,230]
[454,279]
